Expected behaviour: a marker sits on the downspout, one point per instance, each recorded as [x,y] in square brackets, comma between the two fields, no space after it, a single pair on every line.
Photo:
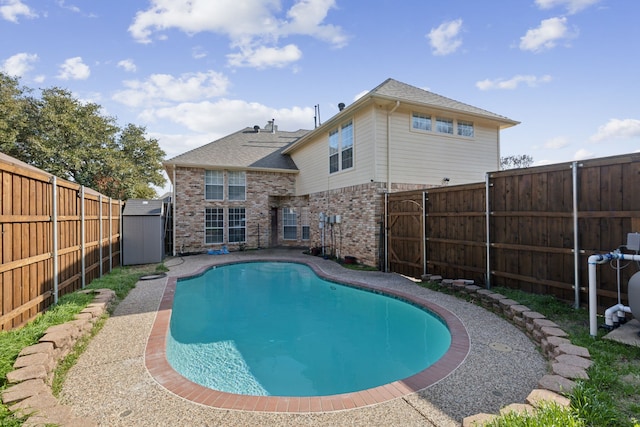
[386,199]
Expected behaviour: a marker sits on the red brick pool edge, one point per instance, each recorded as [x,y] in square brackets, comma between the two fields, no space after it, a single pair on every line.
[160,369]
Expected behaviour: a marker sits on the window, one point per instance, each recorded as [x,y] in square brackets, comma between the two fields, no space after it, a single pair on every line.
[465,128]
[341,148]
[213,225]
[334,152]
[237,225]
[237,185]
[347,145]
[213,185]
[421,122]
[304,219]
[290,222]
[444,125]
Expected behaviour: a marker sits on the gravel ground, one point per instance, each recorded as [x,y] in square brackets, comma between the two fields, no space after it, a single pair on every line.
[111,385]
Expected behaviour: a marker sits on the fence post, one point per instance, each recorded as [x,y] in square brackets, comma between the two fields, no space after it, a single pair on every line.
[424,233]
[100,241]
[83,249]
[576,246]
[488,220]
[386,232]
[110,235]
[54,226]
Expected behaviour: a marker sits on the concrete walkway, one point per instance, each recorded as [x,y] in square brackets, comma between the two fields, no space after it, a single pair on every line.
[110,384]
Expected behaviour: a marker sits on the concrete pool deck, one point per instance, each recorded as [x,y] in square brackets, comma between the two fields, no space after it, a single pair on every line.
[112,384]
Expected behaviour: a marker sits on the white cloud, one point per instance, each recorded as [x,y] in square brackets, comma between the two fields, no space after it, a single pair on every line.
[72,8]
[128,65]
[198,52]
[546,36]
[573,6]
[512,83]
[74,69]
[583,154]
[556,143]
[264,57]
[10,10]
[617,129]
[19,64]
[444,39]
[226,116]
[163,88]
[249,25]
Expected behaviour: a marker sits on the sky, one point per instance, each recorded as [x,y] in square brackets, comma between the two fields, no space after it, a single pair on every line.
[193,71]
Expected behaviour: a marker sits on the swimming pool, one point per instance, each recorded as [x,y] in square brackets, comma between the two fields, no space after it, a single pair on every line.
[277,329]
[168,378]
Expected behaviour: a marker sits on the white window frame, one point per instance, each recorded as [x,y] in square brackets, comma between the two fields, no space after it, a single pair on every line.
[465,128]
[305,223]
[237,185]
[444,125]
[237,223]
[418,118]
[341,147]
[213,179]
[289,224]
[214,224]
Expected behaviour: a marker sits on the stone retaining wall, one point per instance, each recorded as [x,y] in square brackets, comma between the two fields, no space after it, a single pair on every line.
[30,394]
[568,362]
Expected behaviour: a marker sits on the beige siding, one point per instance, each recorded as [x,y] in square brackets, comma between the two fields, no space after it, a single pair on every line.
[428,157]
[313,159]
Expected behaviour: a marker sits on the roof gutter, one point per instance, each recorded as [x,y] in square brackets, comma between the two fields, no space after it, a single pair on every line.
[389,114]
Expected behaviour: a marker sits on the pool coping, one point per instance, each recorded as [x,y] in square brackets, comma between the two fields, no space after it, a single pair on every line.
[163,373]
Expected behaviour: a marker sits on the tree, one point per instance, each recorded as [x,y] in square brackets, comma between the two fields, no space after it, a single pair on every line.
[12,117]
[75,141]
[515,162]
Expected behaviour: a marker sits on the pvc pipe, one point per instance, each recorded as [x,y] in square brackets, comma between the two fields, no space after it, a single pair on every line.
[609,312]
[594,260]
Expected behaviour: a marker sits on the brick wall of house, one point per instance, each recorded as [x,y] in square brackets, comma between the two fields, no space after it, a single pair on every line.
[263,190]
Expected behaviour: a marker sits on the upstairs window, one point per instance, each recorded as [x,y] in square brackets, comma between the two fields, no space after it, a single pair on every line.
[465,128]
[213,185]
[237,186]
[444,125]
[341,148]
[421,122]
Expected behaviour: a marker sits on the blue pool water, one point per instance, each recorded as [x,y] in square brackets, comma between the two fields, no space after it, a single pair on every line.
[272,328]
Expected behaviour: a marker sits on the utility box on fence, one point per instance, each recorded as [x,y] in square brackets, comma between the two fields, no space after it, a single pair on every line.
[142,231]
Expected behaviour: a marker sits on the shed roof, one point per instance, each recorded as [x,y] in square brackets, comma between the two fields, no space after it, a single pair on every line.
[143,207]
[244,149]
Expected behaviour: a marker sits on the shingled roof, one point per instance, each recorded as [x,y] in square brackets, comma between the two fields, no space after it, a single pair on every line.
[396,90]
[245,149]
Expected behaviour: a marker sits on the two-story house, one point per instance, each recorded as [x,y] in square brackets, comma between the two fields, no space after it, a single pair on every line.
[262,187]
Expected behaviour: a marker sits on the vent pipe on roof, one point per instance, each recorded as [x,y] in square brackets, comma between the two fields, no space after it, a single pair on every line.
[341,106]
[256,128]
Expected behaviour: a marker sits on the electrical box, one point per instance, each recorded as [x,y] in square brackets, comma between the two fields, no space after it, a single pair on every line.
[338,219]
[633,242]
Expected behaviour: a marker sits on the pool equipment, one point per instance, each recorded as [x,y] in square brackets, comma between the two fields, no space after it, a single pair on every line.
[615,314]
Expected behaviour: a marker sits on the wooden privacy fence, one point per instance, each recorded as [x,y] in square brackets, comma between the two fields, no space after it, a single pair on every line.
[536,232]
[57,237]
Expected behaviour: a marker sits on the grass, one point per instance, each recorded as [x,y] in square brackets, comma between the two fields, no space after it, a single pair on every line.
[611,396]
[120,280]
